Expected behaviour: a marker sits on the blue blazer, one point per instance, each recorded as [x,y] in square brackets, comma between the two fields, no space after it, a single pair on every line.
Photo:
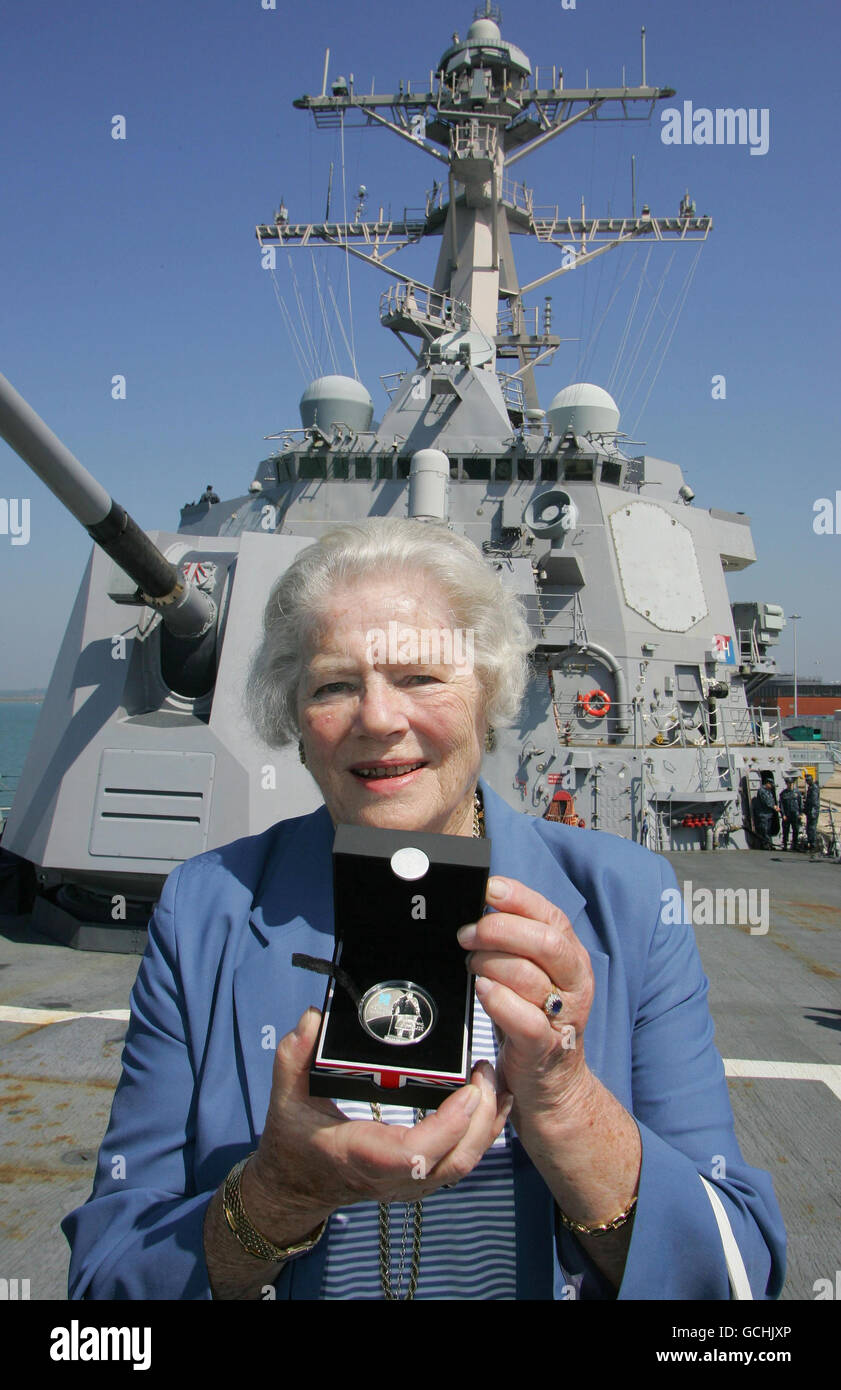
[215,993]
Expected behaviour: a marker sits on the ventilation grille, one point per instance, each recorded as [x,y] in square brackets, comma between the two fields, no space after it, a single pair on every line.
[152,805]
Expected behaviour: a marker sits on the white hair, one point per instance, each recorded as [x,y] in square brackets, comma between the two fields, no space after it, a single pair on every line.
[374,547]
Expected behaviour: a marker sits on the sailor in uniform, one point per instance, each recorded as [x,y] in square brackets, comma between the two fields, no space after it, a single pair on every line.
[813,807]
[791,806]
[764,806]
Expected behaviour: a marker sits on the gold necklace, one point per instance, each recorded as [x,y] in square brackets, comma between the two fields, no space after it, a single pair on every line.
[413,1213]
[414,1210]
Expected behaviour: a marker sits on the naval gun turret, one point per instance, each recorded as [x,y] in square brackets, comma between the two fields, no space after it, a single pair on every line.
[143,715]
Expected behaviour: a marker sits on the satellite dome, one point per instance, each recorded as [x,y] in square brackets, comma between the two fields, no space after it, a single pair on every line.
[336,400]
[584,409]
[483,31]
[485,45]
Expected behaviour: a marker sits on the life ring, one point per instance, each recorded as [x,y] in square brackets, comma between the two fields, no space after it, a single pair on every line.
[603,706]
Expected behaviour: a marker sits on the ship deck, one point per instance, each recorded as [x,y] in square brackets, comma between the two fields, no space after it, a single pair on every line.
[774,995]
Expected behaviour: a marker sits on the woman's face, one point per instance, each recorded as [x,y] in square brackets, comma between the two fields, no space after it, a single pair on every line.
[391,742]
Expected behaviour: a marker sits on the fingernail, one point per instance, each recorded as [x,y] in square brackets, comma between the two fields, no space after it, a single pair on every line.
[304,1021]
[467,935]
[482,986]
[497,889]
[472,1096]
[507,1105]
[487,1082]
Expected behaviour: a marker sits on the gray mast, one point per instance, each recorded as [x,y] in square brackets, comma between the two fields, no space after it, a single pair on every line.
[484,111]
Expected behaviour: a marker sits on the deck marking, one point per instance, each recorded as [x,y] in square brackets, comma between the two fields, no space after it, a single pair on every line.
[12,1014]
[827,1072]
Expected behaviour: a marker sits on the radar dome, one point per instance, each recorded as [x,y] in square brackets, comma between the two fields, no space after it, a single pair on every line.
[584,409]
[484,31]
[336,400]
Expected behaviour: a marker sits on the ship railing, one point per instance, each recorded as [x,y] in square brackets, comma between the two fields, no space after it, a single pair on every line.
[767,724]
[559,620]
[575,726]
[472,139]
[807,754]
[627,721]
[421,86]
[732,728]
[515,318]
[390,382]
[417,302]
[513,391]
[548,79]
[758,726]
[517,195]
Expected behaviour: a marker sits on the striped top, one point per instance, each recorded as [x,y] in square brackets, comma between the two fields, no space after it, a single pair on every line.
[468,1248]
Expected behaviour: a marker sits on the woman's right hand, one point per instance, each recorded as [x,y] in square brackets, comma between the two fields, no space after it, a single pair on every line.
[311,1159]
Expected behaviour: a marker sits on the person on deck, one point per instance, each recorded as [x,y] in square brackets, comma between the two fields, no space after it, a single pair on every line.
[791,808]
[764,806]
[813,810]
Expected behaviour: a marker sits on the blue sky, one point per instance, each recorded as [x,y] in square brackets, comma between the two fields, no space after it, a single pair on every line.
[138,257]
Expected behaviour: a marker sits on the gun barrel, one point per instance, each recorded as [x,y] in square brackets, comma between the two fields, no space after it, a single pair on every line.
[185,610]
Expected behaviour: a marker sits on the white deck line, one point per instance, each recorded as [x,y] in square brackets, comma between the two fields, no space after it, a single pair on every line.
[13,1014]
[828,1073]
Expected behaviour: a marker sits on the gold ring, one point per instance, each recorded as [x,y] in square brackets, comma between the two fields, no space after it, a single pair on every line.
[553,1004]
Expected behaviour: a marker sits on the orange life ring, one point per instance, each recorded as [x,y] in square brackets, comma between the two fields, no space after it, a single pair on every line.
[603,706]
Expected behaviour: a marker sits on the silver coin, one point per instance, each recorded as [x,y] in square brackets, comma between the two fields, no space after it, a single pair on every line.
[397,1012]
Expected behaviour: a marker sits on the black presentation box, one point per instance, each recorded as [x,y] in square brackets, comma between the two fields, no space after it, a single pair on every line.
[403,1036]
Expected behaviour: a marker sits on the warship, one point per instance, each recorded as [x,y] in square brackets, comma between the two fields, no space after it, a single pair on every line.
[641,718]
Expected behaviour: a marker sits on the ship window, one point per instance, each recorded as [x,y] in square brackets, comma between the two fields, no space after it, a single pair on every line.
[549,470]
[404,467]
[340,468]
[454,468]
[525,470]
[478,469]
[612,473]
[502,472]
[313,467]
[362,468]
[385,466]
[579,468]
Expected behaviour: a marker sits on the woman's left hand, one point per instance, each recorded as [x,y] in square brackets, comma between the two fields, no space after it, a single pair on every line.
[521,953]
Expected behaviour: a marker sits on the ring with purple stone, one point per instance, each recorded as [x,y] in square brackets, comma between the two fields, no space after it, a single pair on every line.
[552,1004]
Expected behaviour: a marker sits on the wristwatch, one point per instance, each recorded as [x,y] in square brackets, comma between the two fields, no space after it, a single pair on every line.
[249,1238]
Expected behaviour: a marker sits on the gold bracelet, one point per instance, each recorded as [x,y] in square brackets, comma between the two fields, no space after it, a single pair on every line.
[605,1226]
[249,1238]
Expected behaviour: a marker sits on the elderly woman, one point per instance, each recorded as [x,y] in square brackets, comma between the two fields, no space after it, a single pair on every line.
[577,1161]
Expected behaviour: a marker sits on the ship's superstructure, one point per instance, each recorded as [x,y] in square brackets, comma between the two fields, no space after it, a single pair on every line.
[637,718]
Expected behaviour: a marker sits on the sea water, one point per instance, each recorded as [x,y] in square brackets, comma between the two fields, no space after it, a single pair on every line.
[17,725]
